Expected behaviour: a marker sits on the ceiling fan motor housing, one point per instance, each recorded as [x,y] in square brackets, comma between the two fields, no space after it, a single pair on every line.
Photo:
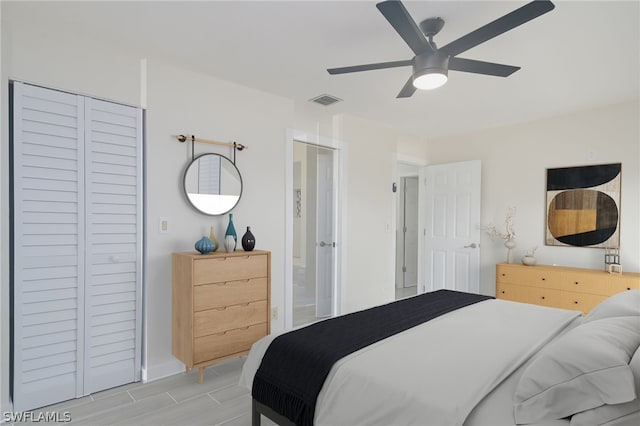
[429,63]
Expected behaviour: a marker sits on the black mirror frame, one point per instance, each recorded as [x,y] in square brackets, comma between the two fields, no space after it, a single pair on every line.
[184,183]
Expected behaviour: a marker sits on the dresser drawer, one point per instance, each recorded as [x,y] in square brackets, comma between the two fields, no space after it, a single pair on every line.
[228,343]
[218,295]
[548,297]
[514,293]
[214,321]
[577,301]
[594,283]
[231,268]
[528,275]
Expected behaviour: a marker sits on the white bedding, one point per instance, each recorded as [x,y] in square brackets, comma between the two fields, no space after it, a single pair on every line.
[435,373]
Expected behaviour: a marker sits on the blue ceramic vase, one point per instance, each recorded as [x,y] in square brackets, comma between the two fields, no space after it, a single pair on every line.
[204,245]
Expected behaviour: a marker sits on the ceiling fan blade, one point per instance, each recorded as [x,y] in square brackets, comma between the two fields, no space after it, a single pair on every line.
[408,89]
[369,67]
[481,67]
[501,25]
[401,21]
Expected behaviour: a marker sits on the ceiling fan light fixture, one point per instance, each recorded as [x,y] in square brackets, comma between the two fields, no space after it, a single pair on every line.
[430,80]
[430,71]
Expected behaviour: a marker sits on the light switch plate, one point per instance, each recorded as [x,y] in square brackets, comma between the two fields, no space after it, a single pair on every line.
[164,225]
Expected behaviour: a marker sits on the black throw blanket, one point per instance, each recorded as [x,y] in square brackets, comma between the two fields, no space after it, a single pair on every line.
[296,364]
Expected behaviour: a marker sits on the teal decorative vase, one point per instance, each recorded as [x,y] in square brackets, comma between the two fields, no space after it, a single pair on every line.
[231,231]
[204,245]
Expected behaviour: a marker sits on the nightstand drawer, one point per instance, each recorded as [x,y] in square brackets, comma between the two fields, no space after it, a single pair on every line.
[229,293]
[224,344]
[229,268]
[214,321]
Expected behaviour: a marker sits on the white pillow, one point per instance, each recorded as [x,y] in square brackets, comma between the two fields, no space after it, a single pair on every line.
[586,368]
[626,303]
[613,413]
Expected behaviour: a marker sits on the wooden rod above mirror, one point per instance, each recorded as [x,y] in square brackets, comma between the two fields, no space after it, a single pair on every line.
[238,146]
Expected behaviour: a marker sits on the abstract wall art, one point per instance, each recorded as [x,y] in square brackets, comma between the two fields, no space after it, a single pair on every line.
[583,206]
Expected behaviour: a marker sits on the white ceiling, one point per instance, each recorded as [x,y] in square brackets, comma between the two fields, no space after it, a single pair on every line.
[581,55]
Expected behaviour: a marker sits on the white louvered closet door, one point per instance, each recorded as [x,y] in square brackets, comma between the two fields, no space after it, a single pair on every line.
[113,179]
[76,214]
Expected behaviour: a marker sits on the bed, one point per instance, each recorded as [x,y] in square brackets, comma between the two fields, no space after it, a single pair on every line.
[491,362]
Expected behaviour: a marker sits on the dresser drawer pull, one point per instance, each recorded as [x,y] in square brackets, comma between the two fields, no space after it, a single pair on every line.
[542,297]
[575,301]
[543,278]
[502,292]
[628,288]
[576,283]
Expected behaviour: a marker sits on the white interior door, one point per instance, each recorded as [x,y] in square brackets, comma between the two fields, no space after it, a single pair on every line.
[313,252]
[411,231]
[451,218]
[325,246]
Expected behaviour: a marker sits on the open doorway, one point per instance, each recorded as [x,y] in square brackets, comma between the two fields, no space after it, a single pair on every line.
[313,232]
[407,231]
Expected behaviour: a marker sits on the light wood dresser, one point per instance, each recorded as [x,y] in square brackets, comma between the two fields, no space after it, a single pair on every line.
[220,305]
[560,287]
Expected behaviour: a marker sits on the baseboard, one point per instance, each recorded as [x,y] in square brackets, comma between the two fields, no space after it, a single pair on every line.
[161,371]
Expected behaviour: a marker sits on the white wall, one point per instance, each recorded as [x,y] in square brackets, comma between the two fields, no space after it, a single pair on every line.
[182,101]
[514,163]
[370,247]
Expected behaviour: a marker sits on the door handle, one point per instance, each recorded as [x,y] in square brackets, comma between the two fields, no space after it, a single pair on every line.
[472,245]
[323,244]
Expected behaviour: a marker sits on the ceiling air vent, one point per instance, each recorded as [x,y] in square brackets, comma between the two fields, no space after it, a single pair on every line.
[325,100]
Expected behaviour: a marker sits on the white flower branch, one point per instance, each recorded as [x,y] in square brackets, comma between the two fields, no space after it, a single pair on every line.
[509,233]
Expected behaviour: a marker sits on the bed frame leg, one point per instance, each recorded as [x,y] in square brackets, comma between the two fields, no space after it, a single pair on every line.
[255,414]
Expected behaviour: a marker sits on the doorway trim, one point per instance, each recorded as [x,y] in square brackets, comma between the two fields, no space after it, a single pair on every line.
[338,176]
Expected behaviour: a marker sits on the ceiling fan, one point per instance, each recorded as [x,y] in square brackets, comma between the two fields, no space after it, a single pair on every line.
[430,63]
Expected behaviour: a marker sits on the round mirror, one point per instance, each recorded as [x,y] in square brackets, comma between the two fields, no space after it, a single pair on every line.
[212,184]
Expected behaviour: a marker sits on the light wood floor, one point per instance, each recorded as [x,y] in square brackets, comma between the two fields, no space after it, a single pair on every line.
[175,400]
